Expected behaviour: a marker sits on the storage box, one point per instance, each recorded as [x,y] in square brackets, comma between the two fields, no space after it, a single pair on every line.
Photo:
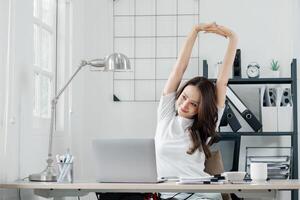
[277,118]
[276,109]
[269,118]
[285,118]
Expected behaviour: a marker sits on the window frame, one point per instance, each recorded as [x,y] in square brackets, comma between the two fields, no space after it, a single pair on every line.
[40,71]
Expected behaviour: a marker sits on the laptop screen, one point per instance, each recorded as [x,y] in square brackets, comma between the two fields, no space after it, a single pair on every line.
[125,160]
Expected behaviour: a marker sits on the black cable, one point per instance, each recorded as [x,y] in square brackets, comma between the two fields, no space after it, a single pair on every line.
[179,193]
[189,196]
[173,196]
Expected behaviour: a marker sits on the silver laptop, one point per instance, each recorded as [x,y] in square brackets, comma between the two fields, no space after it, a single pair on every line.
[125,160]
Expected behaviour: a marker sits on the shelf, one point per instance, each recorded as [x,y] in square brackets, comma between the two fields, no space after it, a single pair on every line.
[238,134]
[236,137]
[231,81]
[259,81]
[158,15]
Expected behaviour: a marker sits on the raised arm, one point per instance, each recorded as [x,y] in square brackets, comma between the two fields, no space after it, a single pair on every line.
[182,62]
[227,63]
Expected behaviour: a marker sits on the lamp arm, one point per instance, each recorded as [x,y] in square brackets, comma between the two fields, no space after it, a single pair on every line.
[82,64]
[53,109]
[109,63]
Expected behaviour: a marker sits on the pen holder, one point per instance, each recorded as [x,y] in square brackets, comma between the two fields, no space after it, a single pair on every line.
[65,173]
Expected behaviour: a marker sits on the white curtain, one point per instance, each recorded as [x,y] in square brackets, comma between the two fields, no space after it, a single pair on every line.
[13,55]
[6,24]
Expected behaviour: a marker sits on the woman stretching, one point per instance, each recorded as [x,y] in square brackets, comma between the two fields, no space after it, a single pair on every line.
[189,116]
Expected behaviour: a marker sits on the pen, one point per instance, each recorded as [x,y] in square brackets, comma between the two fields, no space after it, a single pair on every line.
[66,167]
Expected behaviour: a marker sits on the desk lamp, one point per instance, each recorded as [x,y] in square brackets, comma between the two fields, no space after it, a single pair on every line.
[113,62]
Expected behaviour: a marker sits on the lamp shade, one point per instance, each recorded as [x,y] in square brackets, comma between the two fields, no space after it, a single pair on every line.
[113,62]
[117,62]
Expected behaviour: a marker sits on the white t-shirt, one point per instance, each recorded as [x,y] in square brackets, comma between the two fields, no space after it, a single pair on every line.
[172,141]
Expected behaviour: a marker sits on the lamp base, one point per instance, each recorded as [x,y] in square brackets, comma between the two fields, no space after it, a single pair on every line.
[48,175]
[42,178]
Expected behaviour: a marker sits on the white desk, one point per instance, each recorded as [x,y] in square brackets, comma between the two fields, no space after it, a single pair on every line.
[267,189]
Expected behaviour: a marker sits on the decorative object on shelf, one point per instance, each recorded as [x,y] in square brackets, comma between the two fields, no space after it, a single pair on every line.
[237,65]
[113,62]
[253,70]
[217,67]
[275,68]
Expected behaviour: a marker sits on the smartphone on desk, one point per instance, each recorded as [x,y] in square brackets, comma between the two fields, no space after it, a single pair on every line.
[170,178]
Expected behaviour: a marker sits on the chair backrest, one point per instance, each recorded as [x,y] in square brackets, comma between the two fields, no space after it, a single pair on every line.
[214,165]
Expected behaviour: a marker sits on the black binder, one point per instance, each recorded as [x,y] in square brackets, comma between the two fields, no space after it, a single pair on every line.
[230,118]
[243,110]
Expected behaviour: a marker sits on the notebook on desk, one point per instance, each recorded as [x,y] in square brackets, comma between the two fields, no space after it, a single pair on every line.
[125,160]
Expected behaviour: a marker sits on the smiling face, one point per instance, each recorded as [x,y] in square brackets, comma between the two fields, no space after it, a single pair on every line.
[188,102]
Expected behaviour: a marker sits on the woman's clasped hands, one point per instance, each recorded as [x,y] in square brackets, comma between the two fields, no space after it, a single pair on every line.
[213,27]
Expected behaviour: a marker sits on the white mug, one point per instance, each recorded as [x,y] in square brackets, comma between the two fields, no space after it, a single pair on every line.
[259,171]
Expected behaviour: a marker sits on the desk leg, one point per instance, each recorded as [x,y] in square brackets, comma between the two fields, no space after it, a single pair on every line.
[268,194]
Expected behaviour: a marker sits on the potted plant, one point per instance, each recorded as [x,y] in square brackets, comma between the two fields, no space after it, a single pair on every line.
[275,68]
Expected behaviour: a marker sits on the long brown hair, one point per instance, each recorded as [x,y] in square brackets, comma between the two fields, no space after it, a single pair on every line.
[204,124]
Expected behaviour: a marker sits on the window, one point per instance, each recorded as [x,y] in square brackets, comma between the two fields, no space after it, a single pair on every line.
[44,59]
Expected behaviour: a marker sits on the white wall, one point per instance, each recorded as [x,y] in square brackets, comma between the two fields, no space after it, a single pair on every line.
[94,89]
[262,28]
